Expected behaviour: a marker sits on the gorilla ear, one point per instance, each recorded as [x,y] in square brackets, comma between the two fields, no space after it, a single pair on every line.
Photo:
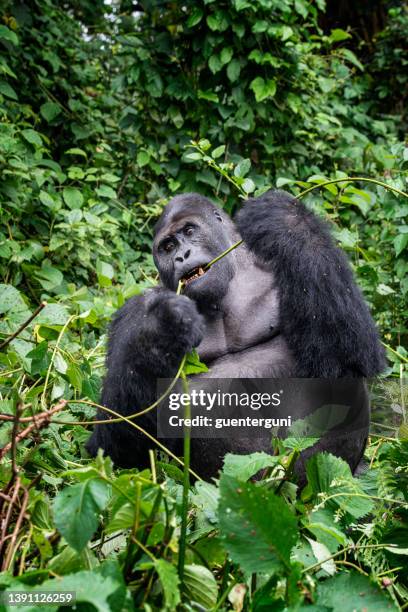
[218,216]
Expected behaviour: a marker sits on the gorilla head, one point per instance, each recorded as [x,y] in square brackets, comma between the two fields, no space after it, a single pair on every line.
[190,233]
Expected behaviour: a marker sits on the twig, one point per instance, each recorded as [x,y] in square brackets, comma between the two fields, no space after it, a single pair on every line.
[351,547]
[41,420]
[6,520]
[13,444]
[350,179]
[11,547]
[24,325]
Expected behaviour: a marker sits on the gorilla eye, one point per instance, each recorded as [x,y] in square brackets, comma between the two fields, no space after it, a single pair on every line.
[189,230]
[167,245]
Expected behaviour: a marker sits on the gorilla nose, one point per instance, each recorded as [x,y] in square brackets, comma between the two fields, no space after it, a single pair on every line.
[184,257]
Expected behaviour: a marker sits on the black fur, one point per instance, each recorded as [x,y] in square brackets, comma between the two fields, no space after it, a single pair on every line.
[323,315]
[147,340]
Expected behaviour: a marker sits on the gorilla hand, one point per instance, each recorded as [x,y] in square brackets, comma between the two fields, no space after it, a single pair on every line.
[176,321]
[151,333]
[148,338]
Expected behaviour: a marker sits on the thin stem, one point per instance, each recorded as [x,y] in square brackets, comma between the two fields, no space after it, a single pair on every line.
[351,179]
[389,348]
[223,254]
[390,500]
[135,526]
[23,325]
[143,547]
[341,551]
[186,483]
[303,193]
[62,332]
[131,416]
[148,435]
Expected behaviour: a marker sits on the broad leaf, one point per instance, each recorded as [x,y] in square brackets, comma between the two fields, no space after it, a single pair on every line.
[258,529]
[76,511]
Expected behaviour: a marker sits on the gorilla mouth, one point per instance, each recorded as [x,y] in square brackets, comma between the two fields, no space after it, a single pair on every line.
[193,275]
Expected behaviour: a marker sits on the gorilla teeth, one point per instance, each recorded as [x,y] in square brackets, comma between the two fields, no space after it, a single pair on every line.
[193,275]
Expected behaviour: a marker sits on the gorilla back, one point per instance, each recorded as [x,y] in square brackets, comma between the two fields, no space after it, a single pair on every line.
[283,304]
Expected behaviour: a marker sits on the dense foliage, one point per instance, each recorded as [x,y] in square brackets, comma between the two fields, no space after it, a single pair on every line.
[99,104]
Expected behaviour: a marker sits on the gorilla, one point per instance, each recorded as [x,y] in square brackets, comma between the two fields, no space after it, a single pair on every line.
[284,304]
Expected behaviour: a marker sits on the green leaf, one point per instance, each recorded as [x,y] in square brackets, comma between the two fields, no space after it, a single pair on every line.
[195,17]
[72,197]
[32,137]
[322,554]
[9,35]
[49,278]
[194,156]
[331,475]
[243,467]
[204,143]
[193,365]
[76,511]
[299,444]
[346,237]
[218,152]
[105,191]
[263,89]
[10,298]
[302,8]
[200,585]
[352,591]
[234,70]
[209,95]
[206,497]
[105,273]
[242,168]
[7,90]
[384,289]
[286,33]
[321,524]
[50,110]
[214,64]
[53,314]
[338,35]
[76,151]
[39,358]
[170,582]
[319,179]
[143,158]
[400,243]
[253,540]
[226,55]
[350,56]
[218,22]
[248,185]
[75,376]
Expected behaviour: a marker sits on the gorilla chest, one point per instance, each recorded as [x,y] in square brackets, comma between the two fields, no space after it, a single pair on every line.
[248,315]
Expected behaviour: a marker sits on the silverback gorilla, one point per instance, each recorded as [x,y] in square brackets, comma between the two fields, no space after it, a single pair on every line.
[283,304]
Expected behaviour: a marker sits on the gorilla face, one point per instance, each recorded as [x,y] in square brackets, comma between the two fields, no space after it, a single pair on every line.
[190,233]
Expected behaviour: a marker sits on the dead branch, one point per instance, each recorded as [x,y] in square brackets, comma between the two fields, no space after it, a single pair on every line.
[40,421]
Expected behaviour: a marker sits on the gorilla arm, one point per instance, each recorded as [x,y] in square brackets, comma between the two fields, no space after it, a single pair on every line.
[323,316]
[148,338]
